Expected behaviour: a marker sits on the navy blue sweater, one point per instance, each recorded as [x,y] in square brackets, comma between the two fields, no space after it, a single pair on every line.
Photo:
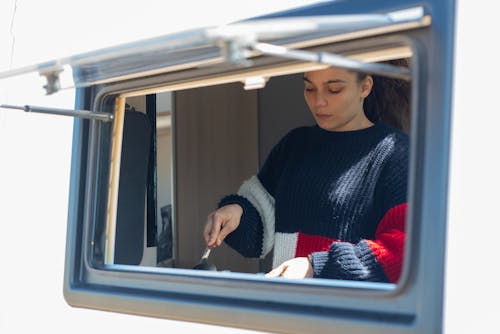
[339,196]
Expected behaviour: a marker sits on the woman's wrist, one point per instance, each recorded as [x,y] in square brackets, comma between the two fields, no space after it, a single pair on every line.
[310,271]
[310,258]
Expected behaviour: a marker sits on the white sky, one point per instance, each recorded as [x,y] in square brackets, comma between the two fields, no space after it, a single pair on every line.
[53,28]
[35,150]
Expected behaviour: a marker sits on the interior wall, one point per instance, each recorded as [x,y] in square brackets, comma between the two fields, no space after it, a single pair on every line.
[216,148]
[164,163]
[164,185]
[281,108]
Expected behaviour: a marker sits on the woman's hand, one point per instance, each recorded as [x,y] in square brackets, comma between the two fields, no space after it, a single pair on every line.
[299,267]
[220,223]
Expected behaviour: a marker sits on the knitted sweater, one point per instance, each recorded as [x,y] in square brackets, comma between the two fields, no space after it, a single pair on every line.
[339,196]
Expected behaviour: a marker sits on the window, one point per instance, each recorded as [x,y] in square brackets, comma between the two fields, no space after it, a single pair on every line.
[204,91]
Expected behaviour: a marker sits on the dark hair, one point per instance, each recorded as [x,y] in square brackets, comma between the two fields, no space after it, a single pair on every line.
[389,100]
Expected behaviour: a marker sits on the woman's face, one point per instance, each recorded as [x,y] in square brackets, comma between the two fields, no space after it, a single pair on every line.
[335,98]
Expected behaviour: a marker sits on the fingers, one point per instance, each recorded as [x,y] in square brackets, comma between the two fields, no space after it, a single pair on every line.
[296,268]
[207,229]
[212,230]
[276,272]
[220,223]
[226,229]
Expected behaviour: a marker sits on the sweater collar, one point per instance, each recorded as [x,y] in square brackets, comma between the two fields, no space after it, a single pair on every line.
[375,128]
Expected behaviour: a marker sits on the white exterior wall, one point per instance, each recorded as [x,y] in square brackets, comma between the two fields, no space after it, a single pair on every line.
[472,287]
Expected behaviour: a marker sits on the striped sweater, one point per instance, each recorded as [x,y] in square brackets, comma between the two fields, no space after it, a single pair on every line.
[339,196]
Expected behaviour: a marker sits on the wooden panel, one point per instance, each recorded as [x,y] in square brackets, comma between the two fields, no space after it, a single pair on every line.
[216,142]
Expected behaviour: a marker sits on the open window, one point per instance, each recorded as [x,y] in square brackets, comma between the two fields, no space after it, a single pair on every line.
[217,135]
[188,117]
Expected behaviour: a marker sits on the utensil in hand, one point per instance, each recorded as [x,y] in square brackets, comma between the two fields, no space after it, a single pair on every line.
[204,264]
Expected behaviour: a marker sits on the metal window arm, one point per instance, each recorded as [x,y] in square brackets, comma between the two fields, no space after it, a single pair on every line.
[85,114]
[386,70]
[238,53]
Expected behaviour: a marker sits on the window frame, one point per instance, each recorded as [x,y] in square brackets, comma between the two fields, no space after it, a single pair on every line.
[265,305]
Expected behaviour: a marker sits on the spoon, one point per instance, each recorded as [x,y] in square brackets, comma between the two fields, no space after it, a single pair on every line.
[204,264]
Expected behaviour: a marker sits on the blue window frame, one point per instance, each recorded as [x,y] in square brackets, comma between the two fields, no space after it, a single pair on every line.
[246,300]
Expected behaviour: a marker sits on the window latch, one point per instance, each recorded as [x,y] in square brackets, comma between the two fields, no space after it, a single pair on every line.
[85,114]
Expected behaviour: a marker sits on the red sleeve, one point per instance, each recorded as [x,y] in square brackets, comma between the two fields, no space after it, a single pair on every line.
[388,246]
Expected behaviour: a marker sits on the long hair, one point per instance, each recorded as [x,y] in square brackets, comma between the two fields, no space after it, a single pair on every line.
[389,100]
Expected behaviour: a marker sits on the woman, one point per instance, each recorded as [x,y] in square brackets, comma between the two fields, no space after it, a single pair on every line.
[331,198]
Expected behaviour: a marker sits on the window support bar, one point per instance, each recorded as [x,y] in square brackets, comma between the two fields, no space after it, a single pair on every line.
[85,114]
[386,70]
